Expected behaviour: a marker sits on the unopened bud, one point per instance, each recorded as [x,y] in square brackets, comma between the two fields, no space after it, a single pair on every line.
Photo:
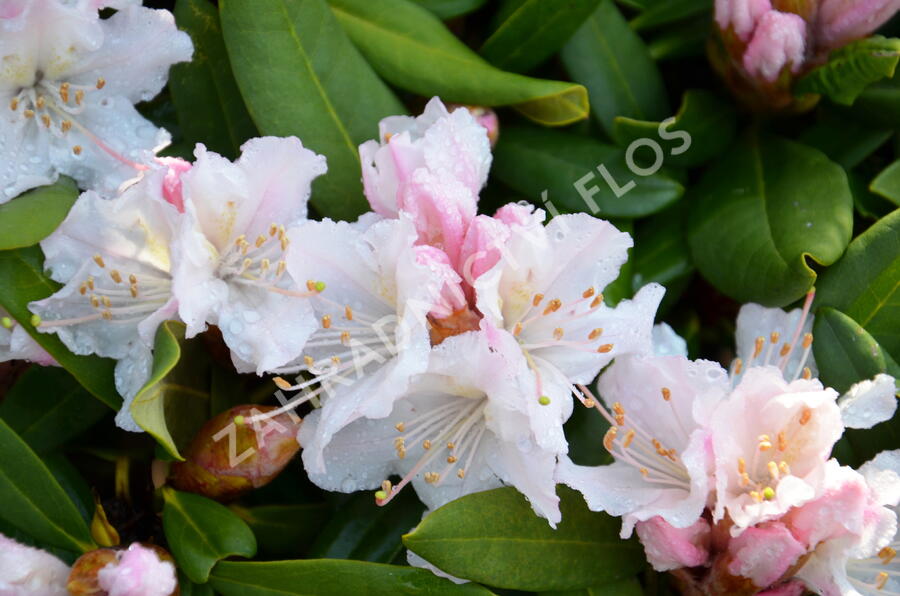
[139,570]
[237,451]
[485,117]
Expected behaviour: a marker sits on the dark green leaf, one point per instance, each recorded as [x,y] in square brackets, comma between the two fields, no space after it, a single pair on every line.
[661,251]
[201,532]
[843,140]
[852,68]
[300,75]
[495,538]
[413,50]
[34,215]
[534,160]
[527,32]
[284,530]
[865,283]
[32,500]
[608,58]
[887,183]
[361,530]
[447,9]
[685,41]
[189,588]
[22,281]
[47,407]
[663,13]
[761,211]
[845,352]
[627,587]
[703,128]
[175,401]
[206,97]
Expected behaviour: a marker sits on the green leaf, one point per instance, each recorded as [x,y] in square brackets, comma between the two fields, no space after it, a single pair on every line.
[32,500]
[328,577]
[175,401]
[608,58]
[627,587]
[284,530]
[201,532]
[534,160]
[495,538]
[22,281]
[844,141]
[686,41]
[47,407]
[865,283]
[845,352]
[528,32]
[413,50]
[761,211]
[661,250]
[887,183]
[448,9]
[703,128]
[663,13]
[300,75]
[34,215]
[852,68]
[879,104]
[189,588]
[362,530]
[205,95]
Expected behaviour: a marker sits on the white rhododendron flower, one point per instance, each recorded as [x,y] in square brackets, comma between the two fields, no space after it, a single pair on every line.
[113,257]
[68,84]
[26,571]
[231,246]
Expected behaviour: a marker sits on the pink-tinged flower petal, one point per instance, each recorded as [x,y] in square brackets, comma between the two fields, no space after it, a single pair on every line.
[794,588]
[764,553]
[139,572]
[669,548]
[755,322]
[780,435]
[778,41]
[882,474]
[451,297]
[668,343]
[519,214]
[868,403]
[841,21]
[741,15]
[175,167]
[482,247]
[26,571]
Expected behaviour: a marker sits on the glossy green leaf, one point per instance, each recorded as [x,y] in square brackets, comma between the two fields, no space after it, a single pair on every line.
[34,215]
[852,68]
[887,183]
[448,9]
[844,141]
[300,75]
[627,587]
[495,538]
[189,588]
[413,50]
[868,204]
[865,283]
[22,281]
[661,250]
[528,32]
[47,407]
[879,104]
[686,41]
[663,13]
[201,532]
[284,530]
[703,128]
[608,58]
[205,95]
[761,211]
[362,530]
[72,482]
[32,500]
[845,352]
[175,401]
[328,577]
[575,171]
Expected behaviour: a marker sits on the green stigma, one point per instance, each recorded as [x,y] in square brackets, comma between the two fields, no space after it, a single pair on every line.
[239,420]
[544,400]
[35,320]
[380,495]
[320,286]
[6,322]
[768,493]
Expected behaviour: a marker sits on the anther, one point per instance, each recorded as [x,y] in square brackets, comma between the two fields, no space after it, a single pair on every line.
[451,459]
[310,285]
[807,373]
[596,301]
[106,301]
[887,555]
[279,270]
[107,315]
[335,360]
[610,437]
[758,346]
[595,333]
[774,472]
[64,92]
[348,313]
[784,468]
[666,393]
[76,149]
[386,486]
[79,97]
[28,113]
[644,472]
[90,281]
[588,293]
[116,276]
[260,240]
[41,102]
[460,473]
[807,340]
[308,361]
[558,333]
[326,321]
[757,498]
[281,383]
[738,366]
[45,119]
[537,299]
[553,306]
[134,291]
[95,302]
[785,350]
[345,337]
[99,260]
[629,437]
[101,83]
[881,580]
[517,329]
[66,125]
[782,441]
[426,444]
[83,289]
[432,477]
[742,465]
[605,348]
[400,427]
[805,416]
[774,337]
[451,446]
[589,403]
[14,105]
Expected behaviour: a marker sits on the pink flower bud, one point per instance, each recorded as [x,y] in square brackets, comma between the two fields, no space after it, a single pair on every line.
[241,449]
[139,571]
[483,116]
[779,41]
[741,15]
[83,580]
[26,571]
[841,21]
[668,547]
[763,554]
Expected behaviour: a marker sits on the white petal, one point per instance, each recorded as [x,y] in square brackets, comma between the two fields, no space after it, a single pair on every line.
[668,343]
[882,474]
[755,321]
[132,373]
[24,154]
[416,561]
[531,470]
[870,402]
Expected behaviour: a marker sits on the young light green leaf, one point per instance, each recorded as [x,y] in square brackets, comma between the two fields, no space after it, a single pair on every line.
[887,183]
[865,283]
[413,50]
[527,32]
[174,403]
[495,538]
[852,68]
[32,500]
[300,75]
[762,210]
[22,281]
[579,174]
[223,123]
[34,215]
[329,577]
[608,58]
[201,532]
[703,127]
[47,407]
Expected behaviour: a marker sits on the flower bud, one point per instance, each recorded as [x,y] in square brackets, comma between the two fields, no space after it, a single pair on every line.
[139,570]
[241,449]
[839,22]
[27,570]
